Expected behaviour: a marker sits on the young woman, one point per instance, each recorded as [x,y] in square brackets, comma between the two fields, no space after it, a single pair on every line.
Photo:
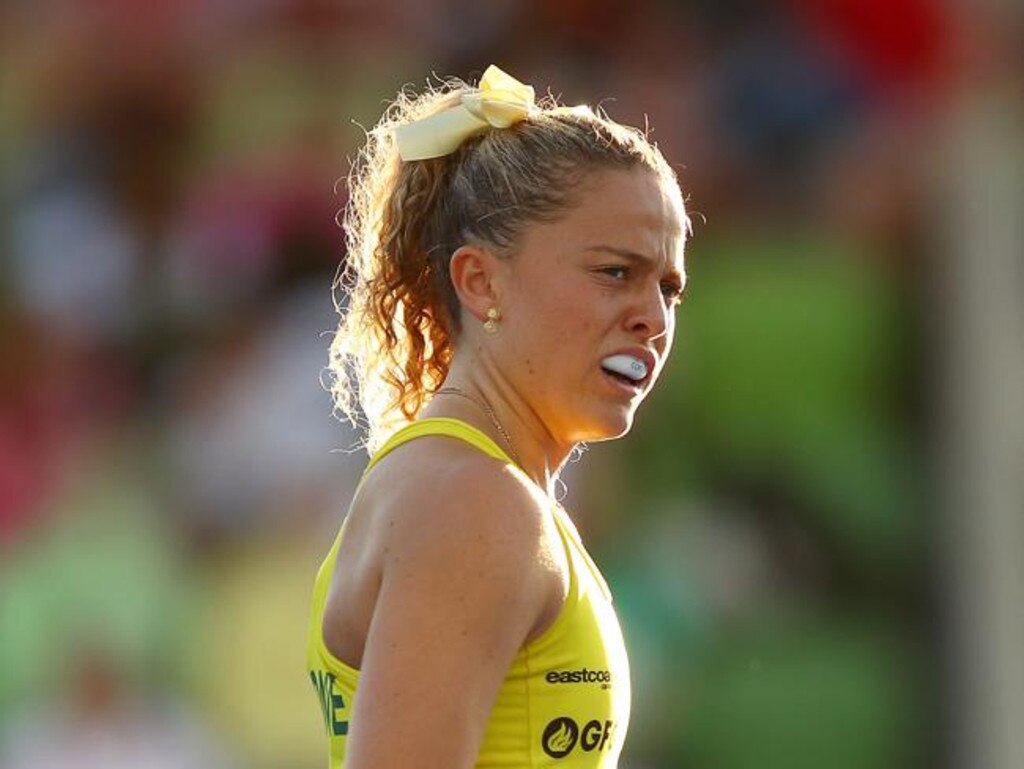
[513,276]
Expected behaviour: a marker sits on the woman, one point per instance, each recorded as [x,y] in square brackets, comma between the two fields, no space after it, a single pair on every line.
[513,275]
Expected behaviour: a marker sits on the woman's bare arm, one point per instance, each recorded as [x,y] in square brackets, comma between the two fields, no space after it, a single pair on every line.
[462,587]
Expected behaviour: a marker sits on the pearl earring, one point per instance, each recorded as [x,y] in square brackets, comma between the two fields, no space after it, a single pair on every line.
[491,324]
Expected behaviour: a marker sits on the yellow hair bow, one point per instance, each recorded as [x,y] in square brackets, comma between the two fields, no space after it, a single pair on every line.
[500,101]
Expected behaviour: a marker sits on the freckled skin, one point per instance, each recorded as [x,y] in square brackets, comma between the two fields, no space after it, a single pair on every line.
[561,315]
[602,277]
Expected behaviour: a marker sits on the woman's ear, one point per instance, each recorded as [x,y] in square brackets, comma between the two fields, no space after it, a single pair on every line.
[475,276]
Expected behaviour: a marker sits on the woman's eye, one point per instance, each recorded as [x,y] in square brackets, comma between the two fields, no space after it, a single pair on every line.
[616,272]
[672,292]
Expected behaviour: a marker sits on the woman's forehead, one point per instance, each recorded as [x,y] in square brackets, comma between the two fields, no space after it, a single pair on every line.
[631,210]
[637,197]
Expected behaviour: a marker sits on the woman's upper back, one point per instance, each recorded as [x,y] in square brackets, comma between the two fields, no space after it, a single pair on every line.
[482,632]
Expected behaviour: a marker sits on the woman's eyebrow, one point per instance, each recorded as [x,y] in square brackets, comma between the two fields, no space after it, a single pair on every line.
[633,256]
[623,252]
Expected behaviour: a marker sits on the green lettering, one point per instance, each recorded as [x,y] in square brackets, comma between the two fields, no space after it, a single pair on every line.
[330,701]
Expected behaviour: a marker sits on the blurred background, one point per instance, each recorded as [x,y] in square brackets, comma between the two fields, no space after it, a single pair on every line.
[815,533]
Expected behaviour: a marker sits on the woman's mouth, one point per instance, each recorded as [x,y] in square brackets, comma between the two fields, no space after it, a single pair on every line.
[626,371]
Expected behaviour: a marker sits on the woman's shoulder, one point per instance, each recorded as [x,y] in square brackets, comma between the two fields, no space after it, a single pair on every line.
[441,484]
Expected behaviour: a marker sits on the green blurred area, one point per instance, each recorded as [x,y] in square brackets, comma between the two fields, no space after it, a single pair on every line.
[792,358]
[779,426]
[765,526]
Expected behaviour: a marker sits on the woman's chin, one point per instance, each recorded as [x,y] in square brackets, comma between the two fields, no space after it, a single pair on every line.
[607,427]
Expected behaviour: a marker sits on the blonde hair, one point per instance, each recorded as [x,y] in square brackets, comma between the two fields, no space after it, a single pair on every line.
[399,311]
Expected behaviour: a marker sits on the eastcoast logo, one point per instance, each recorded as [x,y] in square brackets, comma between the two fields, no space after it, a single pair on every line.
[582,676]
[563,734]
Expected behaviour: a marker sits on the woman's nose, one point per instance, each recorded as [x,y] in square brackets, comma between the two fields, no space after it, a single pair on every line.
[649,316]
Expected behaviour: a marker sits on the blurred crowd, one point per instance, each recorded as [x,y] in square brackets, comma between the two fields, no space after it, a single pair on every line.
[170,469]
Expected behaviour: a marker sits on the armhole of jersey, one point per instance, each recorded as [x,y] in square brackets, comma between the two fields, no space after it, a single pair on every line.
[323,582]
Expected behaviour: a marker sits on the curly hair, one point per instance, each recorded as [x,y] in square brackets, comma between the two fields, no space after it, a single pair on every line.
[400,315]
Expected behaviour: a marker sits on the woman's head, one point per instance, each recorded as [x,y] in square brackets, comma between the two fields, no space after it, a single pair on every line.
[406,220]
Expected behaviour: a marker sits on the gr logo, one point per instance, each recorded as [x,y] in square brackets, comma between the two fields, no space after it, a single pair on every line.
[562,734]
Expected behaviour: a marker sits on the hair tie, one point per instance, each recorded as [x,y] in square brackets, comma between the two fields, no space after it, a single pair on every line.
[499,102]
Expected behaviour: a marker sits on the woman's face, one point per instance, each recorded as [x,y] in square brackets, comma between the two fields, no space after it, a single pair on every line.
[603,280]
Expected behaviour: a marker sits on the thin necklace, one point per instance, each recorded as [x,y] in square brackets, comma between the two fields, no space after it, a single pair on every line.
[453,390]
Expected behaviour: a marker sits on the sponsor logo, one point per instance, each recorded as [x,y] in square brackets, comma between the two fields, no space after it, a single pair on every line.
[560,737]
[563,734]
[582,676]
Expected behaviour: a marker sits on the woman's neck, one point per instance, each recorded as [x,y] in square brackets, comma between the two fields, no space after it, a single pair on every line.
[492,405]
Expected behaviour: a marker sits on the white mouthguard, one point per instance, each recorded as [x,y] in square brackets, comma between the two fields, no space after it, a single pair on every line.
[627,365]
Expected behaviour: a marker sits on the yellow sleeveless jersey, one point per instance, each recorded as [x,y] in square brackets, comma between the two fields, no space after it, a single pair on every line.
[566,696]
